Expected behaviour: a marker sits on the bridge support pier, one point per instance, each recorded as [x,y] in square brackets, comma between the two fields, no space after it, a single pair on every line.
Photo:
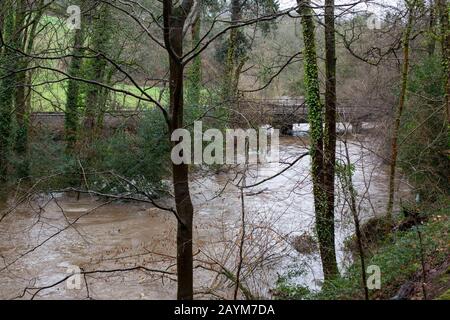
[356,127]
[287,129]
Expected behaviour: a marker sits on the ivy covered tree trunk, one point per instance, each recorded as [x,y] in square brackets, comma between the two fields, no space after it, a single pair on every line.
[21,110]
[174,20]
[73,92]
[330,136]
[101,35]
[431,46]
[229,86]
[195,69]
[399,111]
[7,86]
[315,118]
[444,12]
[23,92]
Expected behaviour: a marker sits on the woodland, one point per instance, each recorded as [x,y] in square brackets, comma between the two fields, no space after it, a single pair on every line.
[93,206]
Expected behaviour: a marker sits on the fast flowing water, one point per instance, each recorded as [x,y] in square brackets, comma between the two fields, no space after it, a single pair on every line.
[45,240]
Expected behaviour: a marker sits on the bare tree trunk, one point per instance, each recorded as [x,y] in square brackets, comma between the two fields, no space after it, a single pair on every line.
[174,19]
[352,195]
[398,115]
[242,238]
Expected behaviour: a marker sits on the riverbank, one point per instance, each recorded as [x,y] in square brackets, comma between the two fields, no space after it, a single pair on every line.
[414,262]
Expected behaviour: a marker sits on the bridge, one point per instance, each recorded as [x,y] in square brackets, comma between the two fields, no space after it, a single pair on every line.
[285,112]
[279,113]
[54,122]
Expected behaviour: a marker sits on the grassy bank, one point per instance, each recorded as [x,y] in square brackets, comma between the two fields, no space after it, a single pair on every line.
[398,254]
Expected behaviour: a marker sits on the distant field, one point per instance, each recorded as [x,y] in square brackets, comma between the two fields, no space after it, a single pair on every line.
[50,88]
[51,96]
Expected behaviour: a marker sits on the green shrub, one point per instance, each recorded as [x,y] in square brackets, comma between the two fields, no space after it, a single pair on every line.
[142,157]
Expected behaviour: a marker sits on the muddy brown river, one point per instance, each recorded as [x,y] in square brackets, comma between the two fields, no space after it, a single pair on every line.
[128,251]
